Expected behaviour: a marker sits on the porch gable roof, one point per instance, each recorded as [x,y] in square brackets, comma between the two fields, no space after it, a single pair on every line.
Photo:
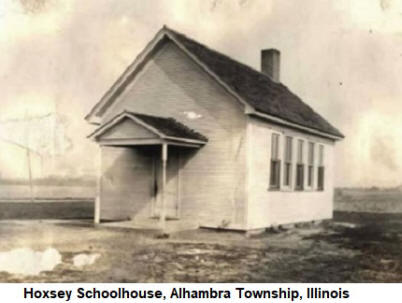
[161,127]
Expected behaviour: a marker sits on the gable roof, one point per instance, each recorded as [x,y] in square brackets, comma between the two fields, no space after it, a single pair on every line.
[253,87]
[166,128]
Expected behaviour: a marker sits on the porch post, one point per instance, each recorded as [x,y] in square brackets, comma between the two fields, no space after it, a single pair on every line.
[98,190]
[164,156]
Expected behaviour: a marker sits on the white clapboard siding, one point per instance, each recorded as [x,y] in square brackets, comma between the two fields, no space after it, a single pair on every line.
[272,207]
[212,183]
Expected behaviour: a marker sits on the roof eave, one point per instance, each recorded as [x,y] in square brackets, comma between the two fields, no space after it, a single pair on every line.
[296,126]
[94,112]
[112,122]
[222,83]
[93,116]
[115,120]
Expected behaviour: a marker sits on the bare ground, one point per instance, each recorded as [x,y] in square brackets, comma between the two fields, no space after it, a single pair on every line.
[351,248]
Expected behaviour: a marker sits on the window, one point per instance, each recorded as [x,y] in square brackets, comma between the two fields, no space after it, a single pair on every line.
[275,162]
[300,166]
[310,173]
[288,162]
[321,170]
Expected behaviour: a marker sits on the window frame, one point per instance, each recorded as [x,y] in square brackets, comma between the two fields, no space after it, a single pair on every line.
[288,162]
[310,164]
[299,182]
[321,168]
[275,163]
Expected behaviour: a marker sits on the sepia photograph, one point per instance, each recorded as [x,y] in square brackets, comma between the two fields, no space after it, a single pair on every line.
[205,141]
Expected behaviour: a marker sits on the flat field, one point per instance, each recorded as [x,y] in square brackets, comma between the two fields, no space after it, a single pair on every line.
[47,209]
[352,248]
[356,246]
[372,200]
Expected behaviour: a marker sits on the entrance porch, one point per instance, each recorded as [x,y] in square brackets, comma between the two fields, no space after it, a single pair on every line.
[140,163]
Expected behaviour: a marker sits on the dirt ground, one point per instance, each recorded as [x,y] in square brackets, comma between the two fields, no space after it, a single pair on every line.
[351,248]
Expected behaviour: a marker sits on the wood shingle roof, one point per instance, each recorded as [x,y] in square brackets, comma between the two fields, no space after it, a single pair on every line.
[170,127]
[256,88]
[163,127]
[259,91]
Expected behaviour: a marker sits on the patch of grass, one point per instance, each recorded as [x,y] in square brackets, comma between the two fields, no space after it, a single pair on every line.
[375,200]
[46,210]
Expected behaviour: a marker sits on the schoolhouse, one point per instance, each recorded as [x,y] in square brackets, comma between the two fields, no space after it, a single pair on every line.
[187,134]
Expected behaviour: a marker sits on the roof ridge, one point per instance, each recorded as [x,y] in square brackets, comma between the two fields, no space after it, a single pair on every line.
[243,81]
[223,55]
[274,91]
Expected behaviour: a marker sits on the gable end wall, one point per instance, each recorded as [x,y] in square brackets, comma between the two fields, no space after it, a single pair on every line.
[212,178]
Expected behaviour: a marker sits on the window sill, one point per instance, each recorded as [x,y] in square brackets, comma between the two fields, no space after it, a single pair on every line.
[291,190]
[284,190]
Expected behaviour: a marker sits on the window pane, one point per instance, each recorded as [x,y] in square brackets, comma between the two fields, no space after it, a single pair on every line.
[288,167]
[272,176]
[300,151]
[274,146]
[288,149]
[310,175]
[311,153]
[321,155]
[299,176]
[320,184]
[275,173]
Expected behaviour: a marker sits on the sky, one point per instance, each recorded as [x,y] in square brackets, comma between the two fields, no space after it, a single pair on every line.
[342,57]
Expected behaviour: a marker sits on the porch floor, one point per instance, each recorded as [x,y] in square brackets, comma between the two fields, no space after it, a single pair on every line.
[153,224]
